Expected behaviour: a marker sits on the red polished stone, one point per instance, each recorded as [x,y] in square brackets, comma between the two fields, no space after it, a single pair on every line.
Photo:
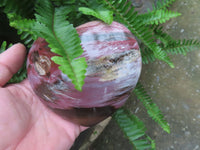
[114,66]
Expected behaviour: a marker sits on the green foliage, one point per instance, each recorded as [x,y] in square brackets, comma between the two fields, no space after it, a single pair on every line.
[126,14]
[163,4]
[160,13]
[134,129]
[97,9]
[18,11]
[171,46]
[76,16]
[63,2]
[24,27]
[23,8]
[147,56]
[158,17]
[152,108]
[182,46]
[163,37]
[53,27]
[100,13]
[4,46]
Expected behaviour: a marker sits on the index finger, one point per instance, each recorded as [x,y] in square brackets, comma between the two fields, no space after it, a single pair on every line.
[11,61]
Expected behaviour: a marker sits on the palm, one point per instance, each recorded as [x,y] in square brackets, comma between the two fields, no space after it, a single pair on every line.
[25,123]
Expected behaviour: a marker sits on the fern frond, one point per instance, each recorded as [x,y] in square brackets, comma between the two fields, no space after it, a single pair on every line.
[170,46]
[99,12]
[158,16]
[63,39]
[183,46]
[63,2]
[130,18]
[97,9]
[153,144]
[162,36]
[133,128]
[23,8]
[163,4]
[4,46]
[24,27]
[147,56]
[152,108]
[2,3]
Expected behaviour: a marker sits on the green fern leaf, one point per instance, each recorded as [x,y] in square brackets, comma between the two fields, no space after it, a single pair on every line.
[130,18]
[183,46]
[133,128]
[63,2]
[2,3]
[63,40]
[153,144]
[152,108]
[158,16]
[23,8]
[18,22]
[164,38]
[24,27]
[99,12]
[147,56]
[171,46]
[3,46]
[163,4]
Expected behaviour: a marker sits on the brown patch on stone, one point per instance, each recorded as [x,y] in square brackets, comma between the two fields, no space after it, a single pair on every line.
[43,65]
[43,90]
[108,67]
[34,56]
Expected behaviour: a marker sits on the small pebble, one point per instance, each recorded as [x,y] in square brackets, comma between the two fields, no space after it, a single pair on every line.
[182,30]
[196,147]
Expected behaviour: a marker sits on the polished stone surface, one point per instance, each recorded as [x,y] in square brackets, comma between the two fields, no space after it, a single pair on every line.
[176,91]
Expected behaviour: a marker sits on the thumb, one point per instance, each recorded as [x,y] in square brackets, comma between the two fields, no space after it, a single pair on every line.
[11,61]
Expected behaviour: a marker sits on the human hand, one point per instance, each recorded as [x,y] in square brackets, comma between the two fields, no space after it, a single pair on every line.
[25,123]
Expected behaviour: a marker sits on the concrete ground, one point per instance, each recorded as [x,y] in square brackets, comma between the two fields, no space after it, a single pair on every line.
[176,92]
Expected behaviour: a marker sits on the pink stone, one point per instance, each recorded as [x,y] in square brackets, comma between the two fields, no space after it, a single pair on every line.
[114,67]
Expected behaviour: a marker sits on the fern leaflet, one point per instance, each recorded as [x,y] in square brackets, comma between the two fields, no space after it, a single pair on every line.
[3,47]
[133,128]
[98,10]
[152,108]
[173,47]
[24,27]
[129,17]
[158,16]
[63,40]
[164,38]
[23,8]
[163,4]
[182,46]
[147,56]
